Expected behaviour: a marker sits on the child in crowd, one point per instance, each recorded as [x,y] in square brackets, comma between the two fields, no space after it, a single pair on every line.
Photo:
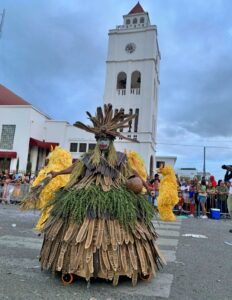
[202,197]
[180,203]
[156,188]
[185,194]
[211,193]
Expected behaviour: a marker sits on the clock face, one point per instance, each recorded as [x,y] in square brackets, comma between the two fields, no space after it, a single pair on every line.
[130,48]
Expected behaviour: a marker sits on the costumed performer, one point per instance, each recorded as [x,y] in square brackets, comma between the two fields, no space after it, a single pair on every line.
[99,224]
[168,194]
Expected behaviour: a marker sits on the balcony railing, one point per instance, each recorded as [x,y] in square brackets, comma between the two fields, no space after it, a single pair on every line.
[135,91]
[121,92]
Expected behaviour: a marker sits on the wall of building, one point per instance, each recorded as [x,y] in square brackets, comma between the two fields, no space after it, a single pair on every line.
[19,116]
[37,126]
[168,160]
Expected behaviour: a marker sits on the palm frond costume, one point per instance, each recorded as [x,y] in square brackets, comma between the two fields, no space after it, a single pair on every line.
[98,227]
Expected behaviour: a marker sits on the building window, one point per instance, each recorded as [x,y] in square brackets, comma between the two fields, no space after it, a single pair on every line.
[83,147]
[159,164]
[128,22]
[136,120]
[142,20]
[73,147]
[135,21]
[135,82]
[7,137]
[91,146]
[121,81]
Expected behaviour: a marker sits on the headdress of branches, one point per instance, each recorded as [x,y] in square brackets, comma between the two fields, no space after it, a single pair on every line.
[106,123]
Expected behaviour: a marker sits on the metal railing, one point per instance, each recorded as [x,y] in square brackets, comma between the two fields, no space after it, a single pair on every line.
[13,192]
[213,201]
[135,91]
[121,92]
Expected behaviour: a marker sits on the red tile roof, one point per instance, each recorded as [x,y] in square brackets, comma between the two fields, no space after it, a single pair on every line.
[9,98]
[137,9]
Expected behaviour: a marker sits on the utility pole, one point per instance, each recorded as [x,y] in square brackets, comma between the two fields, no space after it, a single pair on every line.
[204,161]
[2,16]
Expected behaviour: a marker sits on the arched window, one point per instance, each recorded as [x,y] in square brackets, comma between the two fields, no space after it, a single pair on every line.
[135,21]
[128,22]
[142,20]
[135,82]
[121,83]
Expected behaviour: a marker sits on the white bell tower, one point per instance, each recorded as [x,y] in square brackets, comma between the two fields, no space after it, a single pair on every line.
[132,80]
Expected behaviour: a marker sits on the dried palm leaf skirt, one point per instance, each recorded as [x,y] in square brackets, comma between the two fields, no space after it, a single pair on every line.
[100,247]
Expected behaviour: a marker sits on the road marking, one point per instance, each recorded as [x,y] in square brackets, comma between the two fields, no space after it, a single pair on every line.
[170,233]
[160,286]
[167,242]
[167,223]
[164,226]
[170,255]
[20,242]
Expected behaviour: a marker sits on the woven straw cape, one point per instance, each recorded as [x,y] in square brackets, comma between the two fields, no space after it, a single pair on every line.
[107,122]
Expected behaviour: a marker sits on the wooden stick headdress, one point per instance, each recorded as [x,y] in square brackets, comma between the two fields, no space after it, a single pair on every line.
[106,123]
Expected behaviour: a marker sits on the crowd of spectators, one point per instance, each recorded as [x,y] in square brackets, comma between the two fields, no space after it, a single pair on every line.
[13,185]
[199,196]
[196,196]
[153,186]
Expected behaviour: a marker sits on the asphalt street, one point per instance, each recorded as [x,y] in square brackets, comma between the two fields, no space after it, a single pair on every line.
[197,268]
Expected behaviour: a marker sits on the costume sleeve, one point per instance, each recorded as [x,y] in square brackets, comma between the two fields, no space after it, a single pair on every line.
[76,174]
[228,176]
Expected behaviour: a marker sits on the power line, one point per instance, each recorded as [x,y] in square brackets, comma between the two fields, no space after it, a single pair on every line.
[189,145]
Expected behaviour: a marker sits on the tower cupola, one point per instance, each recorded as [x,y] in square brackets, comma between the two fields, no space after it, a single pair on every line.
[136,18]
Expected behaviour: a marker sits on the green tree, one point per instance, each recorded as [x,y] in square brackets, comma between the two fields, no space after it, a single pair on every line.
[29,166]
[17,166]
[4,164]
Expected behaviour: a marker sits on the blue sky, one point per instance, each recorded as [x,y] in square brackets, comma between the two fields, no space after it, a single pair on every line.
[53,52]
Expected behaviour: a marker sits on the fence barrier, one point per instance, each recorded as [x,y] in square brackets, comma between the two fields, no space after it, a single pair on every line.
[213,201]
[13,192]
